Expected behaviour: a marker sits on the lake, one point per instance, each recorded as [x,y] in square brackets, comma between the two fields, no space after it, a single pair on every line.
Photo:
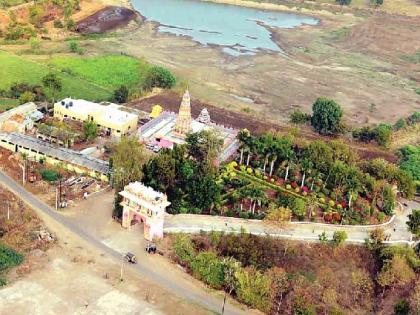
[238,30]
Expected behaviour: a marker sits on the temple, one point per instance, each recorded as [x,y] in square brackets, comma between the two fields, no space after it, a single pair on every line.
[183,121]
[169,129]
[142,204]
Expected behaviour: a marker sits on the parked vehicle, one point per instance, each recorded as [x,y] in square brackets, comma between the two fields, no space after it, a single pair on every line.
[151,248]
[131,258]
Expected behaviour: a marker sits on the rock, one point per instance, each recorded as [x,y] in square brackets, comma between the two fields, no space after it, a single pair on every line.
[37,253]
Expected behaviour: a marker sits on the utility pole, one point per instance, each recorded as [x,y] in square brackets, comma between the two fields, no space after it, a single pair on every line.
[8,208]
[121,271]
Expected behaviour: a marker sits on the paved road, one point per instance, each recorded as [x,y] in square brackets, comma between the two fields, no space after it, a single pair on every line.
[199,297]
[187,223]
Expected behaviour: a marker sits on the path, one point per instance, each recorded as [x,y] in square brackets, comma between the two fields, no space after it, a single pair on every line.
[188,223]
[197,296]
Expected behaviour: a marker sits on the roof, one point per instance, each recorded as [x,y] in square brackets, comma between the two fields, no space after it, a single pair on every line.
[145,196]
[107,113]
[63,154]
[25,109]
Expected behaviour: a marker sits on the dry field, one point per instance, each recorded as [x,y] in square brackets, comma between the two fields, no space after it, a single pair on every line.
[357,60]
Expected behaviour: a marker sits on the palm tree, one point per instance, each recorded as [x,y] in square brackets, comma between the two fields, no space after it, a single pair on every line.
[243,137]
[305,166]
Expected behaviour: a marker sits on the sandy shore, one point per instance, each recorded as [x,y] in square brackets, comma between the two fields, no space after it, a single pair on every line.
[271,7]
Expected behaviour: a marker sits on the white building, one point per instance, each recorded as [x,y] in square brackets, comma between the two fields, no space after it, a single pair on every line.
[108,117]
[144,204]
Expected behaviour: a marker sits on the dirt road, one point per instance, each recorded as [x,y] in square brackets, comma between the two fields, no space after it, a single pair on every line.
[201,298]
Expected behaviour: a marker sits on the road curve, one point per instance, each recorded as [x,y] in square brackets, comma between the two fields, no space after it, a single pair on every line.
[200,297]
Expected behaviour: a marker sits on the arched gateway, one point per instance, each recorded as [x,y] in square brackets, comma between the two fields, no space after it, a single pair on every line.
[144,204]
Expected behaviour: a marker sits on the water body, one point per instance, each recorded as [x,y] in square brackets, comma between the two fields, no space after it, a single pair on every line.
[239,30]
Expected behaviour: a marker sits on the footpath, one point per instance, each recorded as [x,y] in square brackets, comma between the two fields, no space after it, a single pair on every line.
[395,229]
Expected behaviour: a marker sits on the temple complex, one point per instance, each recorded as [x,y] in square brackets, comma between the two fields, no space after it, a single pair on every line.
[169,129]
[142,204]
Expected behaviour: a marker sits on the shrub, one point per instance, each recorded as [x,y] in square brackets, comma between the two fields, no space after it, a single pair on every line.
[253,288]
[299,208]
[26,97]
[49,175]
[75,48]
[58,24]
[244,215]
[402,308]
[209,268]
[339,237]
[184,248]
[299,117]
[71,25]
[9,258]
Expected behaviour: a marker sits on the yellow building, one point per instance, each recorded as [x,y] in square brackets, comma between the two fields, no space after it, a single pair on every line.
[65,158]
[109,118]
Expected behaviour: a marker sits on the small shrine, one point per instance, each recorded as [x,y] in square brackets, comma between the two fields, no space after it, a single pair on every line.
[183,123]
[204,117]
[142,204]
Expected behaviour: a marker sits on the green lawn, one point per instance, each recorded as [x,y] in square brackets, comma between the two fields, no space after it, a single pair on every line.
[18,69]
[110,71]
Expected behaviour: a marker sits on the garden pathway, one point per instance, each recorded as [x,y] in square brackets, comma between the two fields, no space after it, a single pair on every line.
[188,223]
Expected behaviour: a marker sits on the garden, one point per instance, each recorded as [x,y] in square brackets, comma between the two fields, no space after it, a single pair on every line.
[273,177]
[279,179]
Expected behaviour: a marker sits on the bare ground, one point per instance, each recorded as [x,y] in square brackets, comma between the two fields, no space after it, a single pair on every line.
[355,60]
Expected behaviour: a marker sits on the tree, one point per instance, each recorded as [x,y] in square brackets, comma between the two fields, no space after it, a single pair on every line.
[383,134]
[160,77]
[339,237]
[395,272]
[299,208]
[90,130]
[243,137]
[253,288]
[121,95]
[53,83]
[209,268]
[326,116]
[26,97]
[279,285]
[204,192]
[343,2]
[389,199]
[184,248]
[127,162]
[205,147]
[414,222]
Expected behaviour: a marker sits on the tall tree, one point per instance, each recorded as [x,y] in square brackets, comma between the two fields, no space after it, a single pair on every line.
[127,162]
[326,116]
[53,83]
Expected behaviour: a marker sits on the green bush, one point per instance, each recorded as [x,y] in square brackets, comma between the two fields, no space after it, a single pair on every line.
[160,77]
[184,248]
[49,175]
[253,288]
[207,267]
[9,258]
[299,117]
[339,237]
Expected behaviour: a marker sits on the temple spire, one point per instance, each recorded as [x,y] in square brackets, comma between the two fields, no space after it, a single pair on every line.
[183,121]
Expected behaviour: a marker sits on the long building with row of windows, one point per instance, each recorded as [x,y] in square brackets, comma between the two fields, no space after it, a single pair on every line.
[108,117]
[65,158]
